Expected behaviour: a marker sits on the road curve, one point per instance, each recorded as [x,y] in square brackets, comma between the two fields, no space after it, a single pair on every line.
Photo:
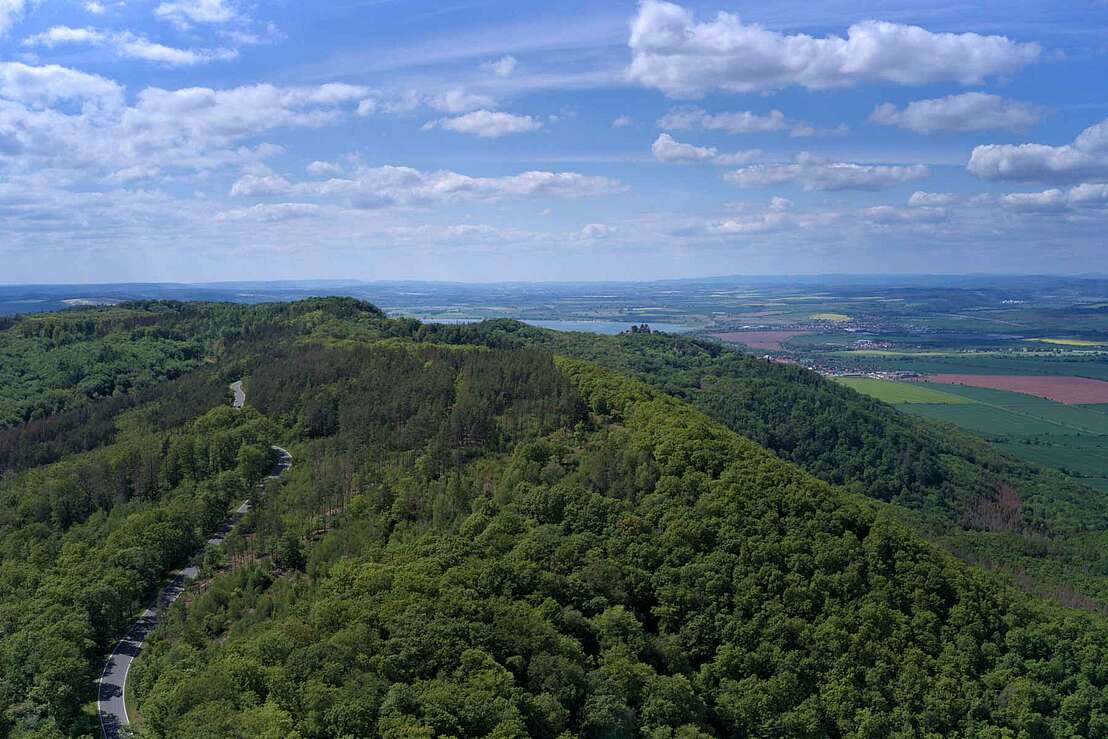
[111,691]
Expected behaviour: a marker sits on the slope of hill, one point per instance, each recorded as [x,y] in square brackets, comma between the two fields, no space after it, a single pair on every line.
[588,557]
[1035,525]
[480,538]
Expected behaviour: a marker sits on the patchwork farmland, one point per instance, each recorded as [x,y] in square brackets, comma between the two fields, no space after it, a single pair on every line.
[1061,388]
[1072,438]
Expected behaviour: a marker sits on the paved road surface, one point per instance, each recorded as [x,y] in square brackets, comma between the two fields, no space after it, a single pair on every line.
[240,394]
[113,680]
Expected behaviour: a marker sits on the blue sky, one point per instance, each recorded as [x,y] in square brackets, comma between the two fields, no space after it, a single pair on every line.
[220,139]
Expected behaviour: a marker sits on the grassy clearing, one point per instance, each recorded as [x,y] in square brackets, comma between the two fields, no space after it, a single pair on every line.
[839,317]
[898,393]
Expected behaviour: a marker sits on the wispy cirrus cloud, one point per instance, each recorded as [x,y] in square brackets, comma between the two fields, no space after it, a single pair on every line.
[184,13]
[128,45]
[452,100]
[502,67]
[11,12]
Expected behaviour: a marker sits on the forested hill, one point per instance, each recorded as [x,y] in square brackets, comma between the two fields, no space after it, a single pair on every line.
[1036,526]
[485,537]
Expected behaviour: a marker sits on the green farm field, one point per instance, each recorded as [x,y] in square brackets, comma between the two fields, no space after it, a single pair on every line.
[1066,419]
[984,410]
[1083,456]
[932,363]
[897,393]
[988,421]
[1079,455]
[929,354]
[1073,439]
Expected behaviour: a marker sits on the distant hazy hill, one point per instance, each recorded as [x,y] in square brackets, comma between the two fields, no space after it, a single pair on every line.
[551,299]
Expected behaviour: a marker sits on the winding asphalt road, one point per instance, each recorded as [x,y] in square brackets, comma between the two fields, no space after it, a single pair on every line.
[240,394]
[110,701]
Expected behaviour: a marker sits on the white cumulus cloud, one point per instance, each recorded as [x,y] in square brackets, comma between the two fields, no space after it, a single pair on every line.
[737,122]
[891,215]
[920,199]
[812,173]
[378,187]
[596,232]
[778,216]
[970,111]
[453,100]
[666,149]
[62,120]
[488,124]
[671,151]
[1089,194]
[1045,201]
[319,168]
[271,212]
[1084,159]
[50,84]
[673,52]
[460,100]
[1055,200]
